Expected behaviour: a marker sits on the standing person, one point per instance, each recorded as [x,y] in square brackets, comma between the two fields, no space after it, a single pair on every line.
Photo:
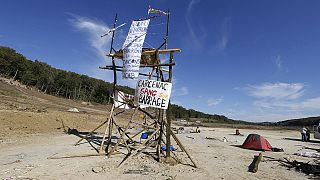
[307,134]
[303,134]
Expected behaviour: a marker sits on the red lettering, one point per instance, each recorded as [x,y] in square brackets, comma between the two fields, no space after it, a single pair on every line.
[149,92]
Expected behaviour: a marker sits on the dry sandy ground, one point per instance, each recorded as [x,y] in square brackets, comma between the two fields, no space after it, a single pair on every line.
[216,159]
[31,131]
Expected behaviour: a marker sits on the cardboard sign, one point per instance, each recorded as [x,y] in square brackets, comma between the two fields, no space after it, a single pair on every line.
[150,93]
[132,49]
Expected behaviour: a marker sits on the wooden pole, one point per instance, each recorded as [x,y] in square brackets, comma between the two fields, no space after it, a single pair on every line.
[167,30]
[121,136]
[115,69]
[121,129]
[90,133]
[160,121]
[142,65]
[138,148]
[106,131]
[181,146]
[75,156]
[168,116]
[168,143]
[110,134]
[111,48]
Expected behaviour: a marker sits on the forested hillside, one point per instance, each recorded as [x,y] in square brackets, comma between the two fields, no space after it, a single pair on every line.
[309,121]
[74,86]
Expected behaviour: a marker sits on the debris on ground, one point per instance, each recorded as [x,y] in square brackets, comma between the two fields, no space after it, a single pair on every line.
[308,154]
[75,110]
[253,167]
[189,137]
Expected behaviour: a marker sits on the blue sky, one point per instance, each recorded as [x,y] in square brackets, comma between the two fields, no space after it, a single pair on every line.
[249,60]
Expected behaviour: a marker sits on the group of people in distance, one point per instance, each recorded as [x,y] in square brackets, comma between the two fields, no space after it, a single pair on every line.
[305,134]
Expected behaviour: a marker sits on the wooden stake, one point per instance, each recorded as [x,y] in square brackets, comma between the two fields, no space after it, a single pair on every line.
[253,167]
[63,126]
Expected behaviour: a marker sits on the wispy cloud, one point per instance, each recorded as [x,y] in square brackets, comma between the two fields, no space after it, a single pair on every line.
[223,37]
[178,90]
[94,29]
[278,62]
[313,103]
[279,101]
[214,102]
[181,91]
[285,91]
[287,106]
[270,117]
[282,97]
[225,33]
[194,36]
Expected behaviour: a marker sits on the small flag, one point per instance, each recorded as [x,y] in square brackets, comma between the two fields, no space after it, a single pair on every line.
[156,11]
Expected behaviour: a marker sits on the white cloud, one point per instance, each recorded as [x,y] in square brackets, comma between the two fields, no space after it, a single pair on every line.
[270,117]
[313,103]
[214,102]
[194,36]
[284,91]
[94,29]
[278,61]
[225,33]
[282,97]
[223,37]
[178,90]
[282,105]
[287,106]
[182,91]
[279,101]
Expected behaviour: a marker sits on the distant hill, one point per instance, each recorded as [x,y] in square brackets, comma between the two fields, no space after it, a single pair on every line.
[74,86]
[309,121]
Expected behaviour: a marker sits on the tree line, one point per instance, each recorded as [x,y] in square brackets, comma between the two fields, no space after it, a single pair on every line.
[180,112]
[54,81]
[57,82]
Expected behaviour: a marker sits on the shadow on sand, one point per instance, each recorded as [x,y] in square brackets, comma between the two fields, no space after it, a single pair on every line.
[240,146]
[297,139]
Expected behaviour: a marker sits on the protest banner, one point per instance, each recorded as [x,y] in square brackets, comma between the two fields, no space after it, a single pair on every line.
[150,93]
[132,49]
[123,100]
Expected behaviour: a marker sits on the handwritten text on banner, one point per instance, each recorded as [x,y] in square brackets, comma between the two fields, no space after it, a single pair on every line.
[150,93]
[132,49]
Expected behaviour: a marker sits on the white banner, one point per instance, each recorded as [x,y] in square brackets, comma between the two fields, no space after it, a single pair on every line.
[132,49]
[123,100]
[150,93]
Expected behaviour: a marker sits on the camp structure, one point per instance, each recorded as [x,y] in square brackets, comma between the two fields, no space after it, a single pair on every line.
[149,107]
[256,142]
